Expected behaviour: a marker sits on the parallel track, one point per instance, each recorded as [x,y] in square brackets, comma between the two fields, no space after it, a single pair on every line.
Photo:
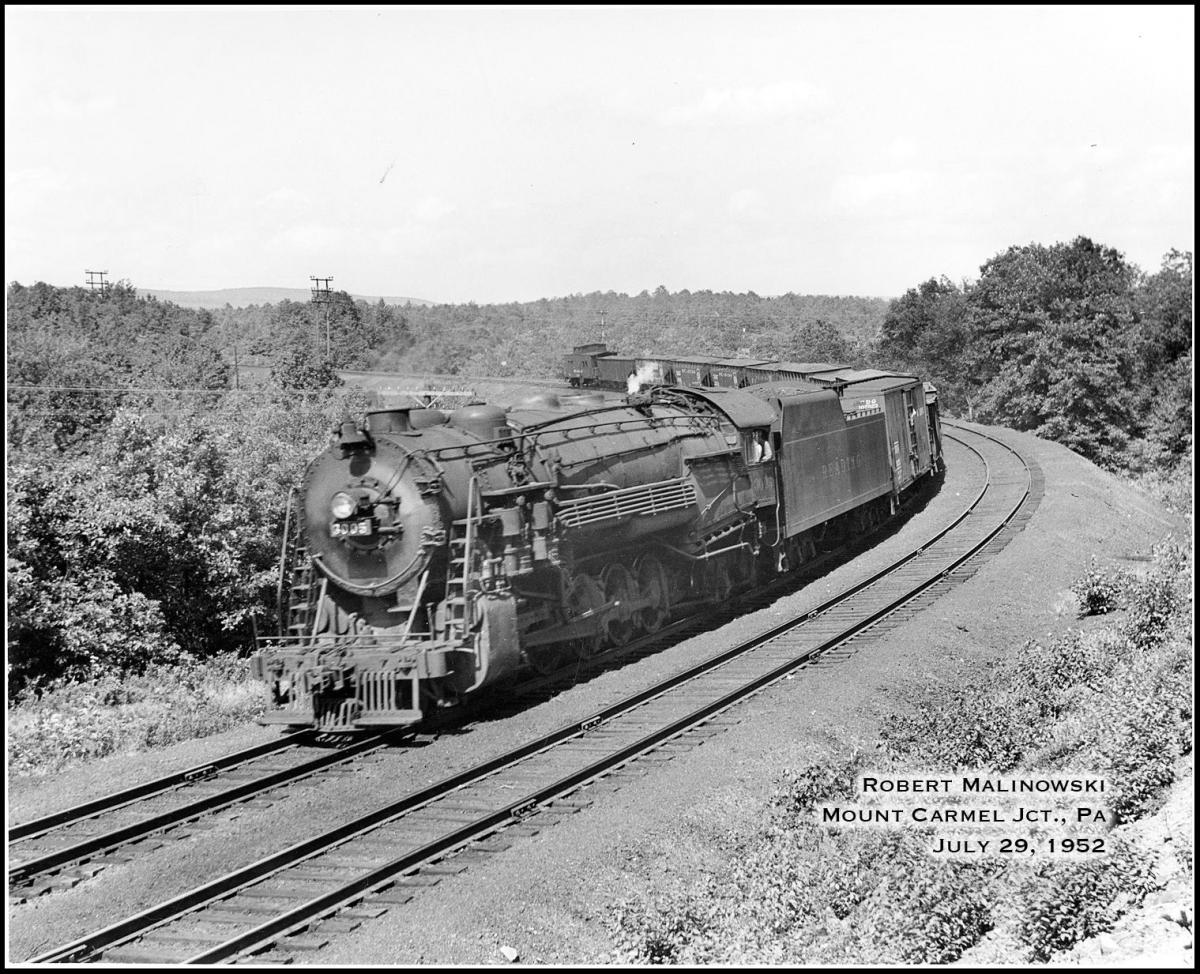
[62,849]
[65,848]
[361,868]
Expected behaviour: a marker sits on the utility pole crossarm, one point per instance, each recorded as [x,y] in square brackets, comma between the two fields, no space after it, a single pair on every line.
[322,293]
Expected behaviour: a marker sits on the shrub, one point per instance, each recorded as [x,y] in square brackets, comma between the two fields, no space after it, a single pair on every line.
[799,792]
[659,932]
[927,915]
[1072,901]
[1137,726]
[159,538]
[1172,487]
[1154,600]
[53,725]
[1051,675]
[1099,591]
[987,723]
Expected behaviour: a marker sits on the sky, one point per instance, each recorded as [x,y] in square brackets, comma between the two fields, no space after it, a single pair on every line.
[512,153]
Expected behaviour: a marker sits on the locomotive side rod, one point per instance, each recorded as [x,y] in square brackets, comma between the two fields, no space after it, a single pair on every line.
[295,919]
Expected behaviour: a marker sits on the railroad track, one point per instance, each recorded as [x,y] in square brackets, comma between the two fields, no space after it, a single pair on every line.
[68,847]
[63,849]
[296,899]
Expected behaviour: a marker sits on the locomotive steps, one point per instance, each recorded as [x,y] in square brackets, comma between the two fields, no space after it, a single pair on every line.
[380,856]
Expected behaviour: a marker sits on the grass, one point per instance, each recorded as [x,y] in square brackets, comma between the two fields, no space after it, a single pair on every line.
[69,723]
[1173,487]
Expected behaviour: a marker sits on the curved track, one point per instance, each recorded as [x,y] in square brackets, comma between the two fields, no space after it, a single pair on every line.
[295,899]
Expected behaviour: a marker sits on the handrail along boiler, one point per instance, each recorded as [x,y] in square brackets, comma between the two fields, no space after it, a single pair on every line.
[430,554]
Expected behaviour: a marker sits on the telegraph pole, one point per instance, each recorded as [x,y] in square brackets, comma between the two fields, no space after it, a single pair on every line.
[96,280]
[322,294]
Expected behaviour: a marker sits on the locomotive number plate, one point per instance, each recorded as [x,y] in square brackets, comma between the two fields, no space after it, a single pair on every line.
[344,529]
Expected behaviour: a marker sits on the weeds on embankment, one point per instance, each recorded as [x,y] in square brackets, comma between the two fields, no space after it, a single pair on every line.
[1114,700]
[65,723]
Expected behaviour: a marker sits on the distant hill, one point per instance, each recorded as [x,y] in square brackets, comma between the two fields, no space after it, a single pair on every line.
[241,297]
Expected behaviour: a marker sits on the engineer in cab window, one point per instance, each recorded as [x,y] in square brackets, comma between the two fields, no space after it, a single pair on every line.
[759,448]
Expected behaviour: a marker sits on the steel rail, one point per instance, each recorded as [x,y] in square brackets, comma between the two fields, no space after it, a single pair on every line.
[113,801]
[24,872]
[268,932]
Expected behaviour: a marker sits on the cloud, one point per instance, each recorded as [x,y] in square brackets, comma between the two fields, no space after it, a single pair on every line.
[307,238]
[903,149]
[748,105]
[746,203]
[284,198]
[77,107]
[431,209]
[919,194]
[34,182]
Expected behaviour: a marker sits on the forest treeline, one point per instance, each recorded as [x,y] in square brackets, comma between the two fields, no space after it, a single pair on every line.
[1070,342]
[528,339]
[146,482]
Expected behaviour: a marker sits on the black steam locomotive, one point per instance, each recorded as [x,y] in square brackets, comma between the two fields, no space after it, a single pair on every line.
[429,554]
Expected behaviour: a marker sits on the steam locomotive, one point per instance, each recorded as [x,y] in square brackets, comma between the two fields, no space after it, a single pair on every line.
[429,554]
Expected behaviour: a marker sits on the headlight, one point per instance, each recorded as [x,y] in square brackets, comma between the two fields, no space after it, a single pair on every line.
[342,505]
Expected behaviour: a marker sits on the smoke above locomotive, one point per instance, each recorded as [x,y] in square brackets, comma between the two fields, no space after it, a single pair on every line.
[429,554]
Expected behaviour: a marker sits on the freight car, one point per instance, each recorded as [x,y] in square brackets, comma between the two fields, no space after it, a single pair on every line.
[595,366]
[430,554]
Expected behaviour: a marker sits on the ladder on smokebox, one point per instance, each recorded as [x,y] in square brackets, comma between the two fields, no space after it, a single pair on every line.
[459,617]
[298,594]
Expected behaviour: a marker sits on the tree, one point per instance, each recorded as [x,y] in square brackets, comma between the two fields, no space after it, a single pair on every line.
[814,340]
[303,368]
[1045,347]
[924,332]
[1162,343]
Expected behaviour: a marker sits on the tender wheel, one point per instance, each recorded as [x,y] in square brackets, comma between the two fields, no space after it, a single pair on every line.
[652,584]
[584,595]
[619,586]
